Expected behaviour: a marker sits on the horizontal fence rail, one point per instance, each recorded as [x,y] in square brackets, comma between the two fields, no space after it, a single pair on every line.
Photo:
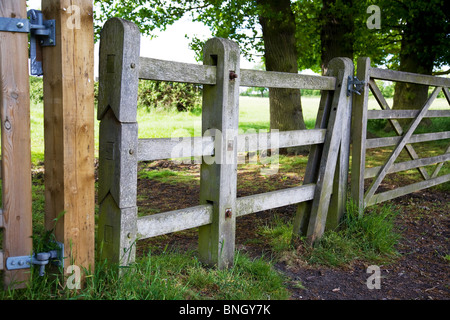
[399,76]
[407,165]
[405,114]
[416,138]
[274,199]
[162,70]
[401,191]
[173,221]
[271,79]
[172,148]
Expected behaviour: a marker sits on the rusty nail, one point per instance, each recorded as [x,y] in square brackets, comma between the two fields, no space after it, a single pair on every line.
[233,75]
[228,213]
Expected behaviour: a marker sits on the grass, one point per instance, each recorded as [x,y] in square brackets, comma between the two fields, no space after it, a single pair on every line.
[167,276]
[370,237]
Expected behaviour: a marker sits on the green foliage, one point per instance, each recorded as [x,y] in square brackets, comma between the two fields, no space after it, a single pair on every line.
[36,90]
[370,236]
[169,96]
[278,234]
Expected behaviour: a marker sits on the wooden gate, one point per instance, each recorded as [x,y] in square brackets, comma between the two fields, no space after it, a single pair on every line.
[121,67]
[405,139]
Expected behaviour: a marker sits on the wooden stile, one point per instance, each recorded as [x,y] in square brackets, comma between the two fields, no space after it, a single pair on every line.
[16,144]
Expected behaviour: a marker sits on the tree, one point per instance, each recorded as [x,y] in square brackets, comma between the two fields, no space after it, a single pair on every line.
[280,52]
[425,45]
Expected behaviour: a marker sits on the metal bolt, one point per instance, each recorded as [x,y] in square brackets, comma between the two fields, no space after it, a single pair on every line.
[228,213]
[233,75]
[133,65]
[131,151]
[20,25]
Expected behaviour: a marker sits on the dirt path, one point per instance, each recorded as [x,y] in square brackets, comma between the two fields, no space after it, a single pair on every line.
[421,272]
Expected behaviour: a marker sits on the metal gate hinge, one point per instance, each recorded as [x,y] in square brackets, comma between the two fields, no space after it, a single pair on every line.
[42,34]
[55,257]
[354,85]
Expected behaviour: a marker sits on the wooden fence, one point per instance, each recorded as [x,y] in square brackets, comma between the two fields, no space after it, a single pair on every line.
[405,139]
[121,67]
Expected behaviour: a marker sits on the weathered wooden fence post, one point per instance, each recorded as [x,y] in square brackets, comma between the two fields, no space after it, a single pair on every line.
[342,69]
[359,134]
[218,173]
[328,163]
[16,145]
[303,213]
[118,91]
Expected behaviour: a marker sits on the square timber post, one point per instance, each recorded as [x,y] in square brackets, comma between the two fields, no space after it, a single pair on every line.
[69,129]
[218,173]
[117,112]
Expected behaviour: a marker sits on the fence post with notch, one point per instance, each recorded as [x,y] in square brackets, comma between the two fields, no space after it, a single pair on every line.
[117,190]
[218,174]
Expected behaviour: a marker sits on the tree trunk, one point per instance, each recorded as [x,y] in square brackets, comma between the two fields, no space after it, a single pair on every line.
[409,96]
[278,26]
[337,33]
[415,42]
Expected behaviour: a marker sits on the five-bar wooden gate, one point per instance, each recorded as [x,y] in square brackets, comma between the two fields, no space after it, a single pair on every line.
[405,139]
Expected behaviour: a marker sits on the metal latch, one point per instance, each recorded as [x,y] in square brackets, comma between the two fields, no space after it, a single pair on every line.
[55,257]
[42,34]
[354,85]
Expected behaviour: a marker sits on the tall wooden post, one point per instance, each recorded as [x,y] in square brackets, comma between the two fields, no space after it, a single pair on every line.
[359,135]
[218,174]
[69,129]
[16,143]
[333,146]
[118,94]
